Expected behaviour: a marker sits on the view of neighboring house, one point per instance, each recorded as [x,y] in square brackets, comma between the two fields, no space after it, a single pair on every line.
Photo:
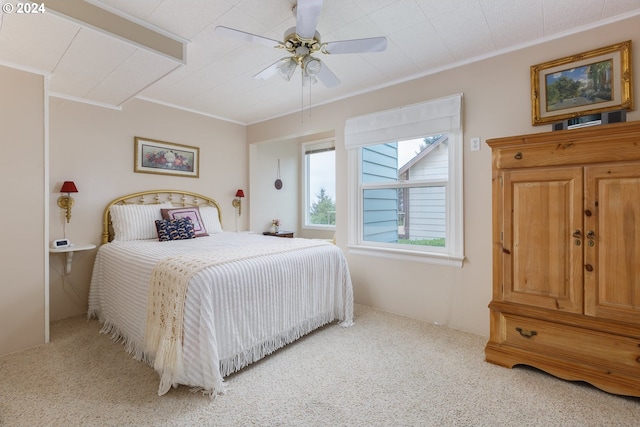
[423,212]
[415,214]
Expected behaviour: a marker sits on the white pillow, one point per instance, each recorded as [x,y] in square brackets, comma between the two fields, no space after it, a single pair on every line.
[136,222]
[210,219]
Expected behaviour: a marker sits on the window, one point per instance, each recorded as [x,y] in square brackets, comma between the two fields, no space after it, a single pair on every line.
[406,198]
[320,185]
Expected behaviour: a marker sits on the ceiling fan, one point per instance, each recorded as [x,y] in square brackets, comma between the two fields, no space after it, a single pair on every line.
[302,42]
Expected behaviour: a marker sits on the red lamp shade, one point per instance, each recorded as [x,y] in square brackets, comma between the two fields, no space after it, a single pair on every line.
[68,187]
[239,193]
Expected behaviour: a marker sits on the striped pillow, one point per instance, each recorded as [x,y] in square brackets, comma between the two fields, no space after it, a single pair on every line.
[136,222]
[211,219]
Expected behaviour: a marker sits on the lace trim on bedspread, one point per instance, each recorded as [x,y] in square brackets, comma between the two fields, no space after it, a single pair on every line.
[167,293]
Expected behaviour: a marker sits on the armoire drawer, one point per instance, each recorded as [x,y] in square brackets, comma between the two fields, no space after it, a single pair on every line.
[595,348]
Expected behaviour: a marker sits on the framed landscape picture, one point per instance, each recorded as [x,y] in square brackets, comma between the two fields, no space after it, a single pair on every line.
[166,158]
[583,84]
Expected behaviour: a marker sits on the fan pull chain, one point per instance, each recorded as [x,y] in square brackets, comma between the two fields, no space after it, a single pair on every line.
[310,84]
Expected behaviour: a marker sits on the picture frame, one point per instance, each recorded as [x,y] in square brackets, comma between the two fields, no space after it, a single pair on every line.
[165,158]
[583,84]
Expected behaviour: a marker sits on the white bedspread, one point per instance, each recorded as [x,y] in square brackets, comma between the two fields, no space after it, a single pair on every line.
[235,313]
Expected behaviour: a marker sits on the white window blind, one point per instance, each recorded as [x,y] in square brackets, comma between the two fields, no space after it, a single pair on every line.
[319,147]
[434,117]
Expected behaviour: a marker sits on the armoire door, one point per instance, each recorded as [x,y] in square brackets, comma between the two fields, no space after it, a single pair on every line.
[543,237]
[612,251]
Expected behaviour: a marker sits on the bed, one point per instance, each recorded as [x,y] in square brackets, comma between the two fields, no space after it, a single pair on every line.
[205,303]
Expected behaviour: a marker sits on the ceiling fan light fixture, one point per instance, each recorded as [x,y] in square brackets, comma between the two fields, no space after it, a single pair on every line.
[286,68]
[308,80]
[311,65]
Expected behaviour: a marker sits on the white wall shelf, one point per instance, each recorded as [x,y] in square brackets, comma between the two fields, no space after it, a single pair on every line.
[68,251]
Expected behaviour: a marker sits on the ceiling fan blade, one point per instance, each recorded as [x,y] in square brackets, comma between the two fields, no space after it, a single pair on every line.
[247,37]
[374,44]
[268,72]
[326,76]
[307,15]
[282,66]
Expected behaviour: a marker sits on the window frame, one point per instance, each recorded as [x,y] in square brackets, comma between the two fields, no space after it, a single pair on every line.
[306,197]
[453,253]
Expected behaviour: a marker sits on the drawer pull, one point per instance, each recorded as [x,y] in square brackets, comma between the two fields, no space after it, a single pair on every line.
[518,155]
[526,333]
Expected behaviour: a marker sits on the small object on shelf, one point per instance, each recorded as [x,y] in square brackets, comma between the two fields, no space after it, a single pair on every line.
[61,243]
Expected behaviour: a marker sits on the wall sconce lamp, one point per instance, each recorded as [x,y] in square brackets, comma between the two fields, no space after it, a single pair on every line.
[66,202]
[237,202]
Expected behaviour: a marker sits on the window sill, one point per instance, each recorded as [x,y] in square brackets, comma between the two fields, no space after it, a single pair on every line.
[405,255]
[319,227]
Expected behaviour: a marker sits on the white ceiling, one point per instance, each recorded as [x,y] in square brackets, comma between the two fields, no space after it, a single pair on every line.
[423,35]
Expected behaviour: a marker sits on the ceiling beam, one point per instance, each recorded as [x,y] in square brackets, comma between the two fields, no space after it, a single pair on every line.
[128,29]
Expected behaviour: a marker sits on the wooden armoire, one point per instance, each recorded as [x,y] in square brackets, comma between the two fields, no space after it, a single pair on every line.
[566,254]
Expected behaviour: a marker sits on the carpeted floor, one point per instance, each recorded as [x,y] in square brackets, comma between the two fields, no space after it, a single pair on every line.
[385,371]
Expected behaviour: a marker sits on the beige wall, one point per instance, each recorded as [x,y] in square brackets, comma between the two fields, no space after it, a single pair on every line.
[496,102]
[269,202]
[23,261]
[93,146]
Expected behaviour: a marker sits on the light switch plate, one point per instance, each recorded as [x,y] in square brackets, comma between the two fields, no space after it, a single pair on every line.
[475,144]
